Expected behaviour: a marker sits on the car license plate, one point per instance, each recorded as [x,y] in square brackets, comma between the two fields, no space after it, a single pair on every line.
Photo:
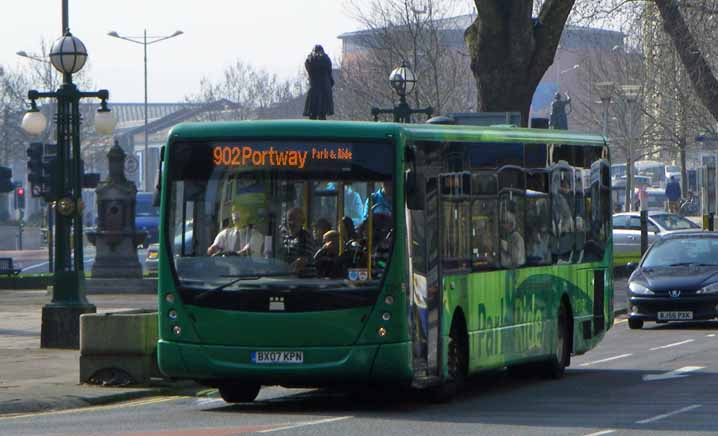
[675,315]
[278,357]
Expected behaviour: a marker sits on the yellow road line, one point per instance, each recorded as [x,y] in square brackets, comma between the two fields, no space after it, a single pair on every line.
[620,321]
[136,403]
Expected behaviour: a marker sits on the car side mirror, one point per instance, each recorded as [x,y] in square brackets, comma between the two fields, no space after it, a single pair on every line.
[631,266]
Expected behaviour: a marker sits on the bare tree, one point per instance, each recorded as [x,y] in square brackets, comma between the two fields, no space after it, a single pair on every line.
[251,91]
[510,50]
[420,33]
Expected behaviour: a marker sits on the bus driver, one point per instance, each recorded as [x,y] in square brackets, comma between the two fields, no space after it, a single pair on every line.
[237,239]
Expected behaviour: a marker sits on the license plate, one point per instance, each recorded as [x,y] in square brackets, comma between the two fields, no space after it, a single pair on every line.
[278,357]
[675,315]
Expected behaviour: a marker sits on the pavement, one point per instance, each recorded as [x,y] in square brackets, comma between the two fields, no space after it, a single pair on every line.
[33,379]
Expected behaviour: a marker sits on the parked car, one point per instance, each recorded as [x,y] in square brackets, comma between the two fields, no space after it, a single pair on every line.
[677,280]
[627,232]
[147,217]
[152,258]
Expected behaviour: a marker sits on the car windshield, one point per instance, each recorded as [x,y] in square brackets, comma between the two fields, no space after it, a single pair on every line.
[674,222]
[281,213]
[683,251]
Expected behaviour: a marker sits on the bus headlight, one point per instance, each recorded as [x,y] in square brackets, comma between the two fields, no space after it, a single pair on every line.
[386,316]
[389,300]
[177,330]
[170,298]
[639,289]
[381,332]
[172,314]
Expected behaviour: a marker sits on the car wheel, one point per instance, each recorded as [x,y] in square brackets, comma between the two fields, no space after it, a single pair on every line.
[635,324]
[239,392]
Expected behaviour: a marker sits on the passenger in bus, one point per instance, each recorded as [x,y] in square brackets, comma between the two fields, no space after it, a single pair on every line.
[513,249]
[327,257]
[238,239]
[381,200]
[320,228]
[297,244]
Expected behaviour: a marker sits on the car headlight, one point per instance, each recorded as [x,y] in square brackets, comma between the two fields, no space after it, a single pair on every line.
[709,289]
[152,255]
[638,288]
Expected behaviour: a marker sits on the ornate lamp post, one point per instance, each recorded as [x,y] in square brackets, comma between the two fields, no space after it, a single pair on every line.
[403,80]
[60,318]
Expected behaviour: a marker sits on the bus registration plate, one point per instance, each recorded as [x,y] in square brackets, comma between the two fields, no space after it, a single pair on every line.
[278,357]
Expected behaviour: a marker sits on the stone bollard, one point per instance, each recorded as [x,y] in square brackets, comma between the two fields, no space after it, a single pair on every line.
[119,348]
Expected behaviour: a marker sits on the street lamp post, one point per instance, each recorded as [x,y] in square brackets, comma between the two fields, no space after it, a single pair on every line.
[630,94]
[145,40]
[60,318]
[605,93]
[403,81]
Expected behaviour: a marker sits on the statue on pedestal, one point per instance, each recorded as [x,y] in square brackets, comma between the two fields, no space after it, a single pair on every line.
[559,109]
[319,102]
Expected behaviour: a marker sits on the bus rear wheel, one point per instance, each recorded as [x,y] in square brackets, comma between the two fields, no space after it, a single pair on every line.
[556,366]
[457,364]
[239,392]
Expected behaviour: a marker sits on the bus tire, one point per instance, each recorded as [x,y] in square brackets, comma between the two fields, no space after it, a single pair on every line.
[556,366]
[457,362]
[239,392]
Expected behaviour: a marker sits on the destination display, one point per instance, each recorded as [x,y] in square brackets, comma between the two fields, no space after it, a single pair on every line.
[278,156]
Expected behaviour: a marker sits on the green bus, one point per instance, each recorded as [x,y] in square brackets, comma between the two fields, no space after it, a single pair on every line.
[388,254]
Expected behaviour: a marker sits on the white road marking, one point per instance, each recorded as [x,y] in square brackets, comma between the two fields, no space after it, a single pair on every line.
[666,415]
[305,424]
[38,265]
[711,335]
[678,373]
[206,401]
[606,360]
[600,433]
[675,344]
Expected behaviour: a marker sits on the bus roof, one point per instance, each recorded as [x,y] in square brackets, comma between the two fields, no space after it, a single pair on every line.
[379,130]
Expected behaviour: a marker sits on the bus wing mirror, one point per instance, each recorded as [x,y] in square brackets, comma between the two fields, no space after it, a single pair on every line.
[414,184]
[158,181]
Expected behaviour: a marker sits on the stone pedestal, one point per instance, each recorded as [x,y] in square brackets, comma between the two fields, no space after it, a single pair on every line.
[61,325]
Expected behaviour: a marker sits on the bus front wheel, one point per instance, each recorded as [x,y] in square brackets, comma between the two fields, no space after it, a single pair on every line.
[239,392]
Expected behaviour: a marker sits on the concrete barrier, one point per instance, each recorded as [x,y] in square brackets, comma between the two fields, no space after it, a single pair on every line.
[118,348]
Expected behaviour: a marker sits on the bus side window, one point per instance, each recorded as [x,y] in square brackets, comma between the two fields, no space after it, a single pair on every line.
[562,212]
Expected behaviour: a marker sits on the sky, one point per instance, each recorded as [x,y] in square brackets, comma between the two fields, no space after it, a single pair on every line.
[275,35]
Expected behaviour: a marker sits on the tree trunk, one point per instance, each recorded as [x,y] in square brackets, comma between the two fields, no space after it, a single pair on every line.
[510,51]
[699,71]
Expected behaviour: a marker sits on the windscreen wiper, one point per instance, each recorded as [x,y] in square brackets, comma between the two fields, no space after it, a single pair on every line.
[239,277]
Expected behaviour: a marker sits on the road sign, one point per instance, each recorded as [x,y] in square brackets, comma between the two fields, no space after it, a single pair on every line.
[131,164]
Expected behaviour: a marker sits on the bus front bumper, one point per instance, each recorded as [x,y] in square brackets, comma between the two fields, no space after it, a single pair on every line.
[321,366]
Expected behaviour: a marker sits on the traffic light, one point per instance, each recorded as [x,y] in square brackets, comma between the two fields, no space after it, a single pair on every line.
[34,164]
[6,184]
[89,180]
[19,197]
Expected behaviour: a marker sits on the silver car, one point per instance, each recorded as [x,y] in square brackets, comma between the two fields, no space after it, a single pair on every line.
[627,232]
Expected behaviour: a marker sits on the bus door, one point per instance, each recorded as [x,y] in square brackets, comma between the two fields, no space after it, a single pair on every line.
[423,250]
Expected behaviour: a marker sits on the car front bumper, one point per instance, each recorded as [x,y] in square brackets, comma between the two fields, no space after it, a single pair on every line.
[647,308]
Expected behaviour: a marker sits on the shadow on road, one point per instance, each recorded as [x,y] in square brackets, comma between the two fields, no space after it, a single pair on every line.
[584,398]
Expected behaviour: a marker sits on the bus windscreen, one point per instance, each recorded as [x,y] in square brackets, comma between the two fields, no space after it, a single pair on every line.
[252,215]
